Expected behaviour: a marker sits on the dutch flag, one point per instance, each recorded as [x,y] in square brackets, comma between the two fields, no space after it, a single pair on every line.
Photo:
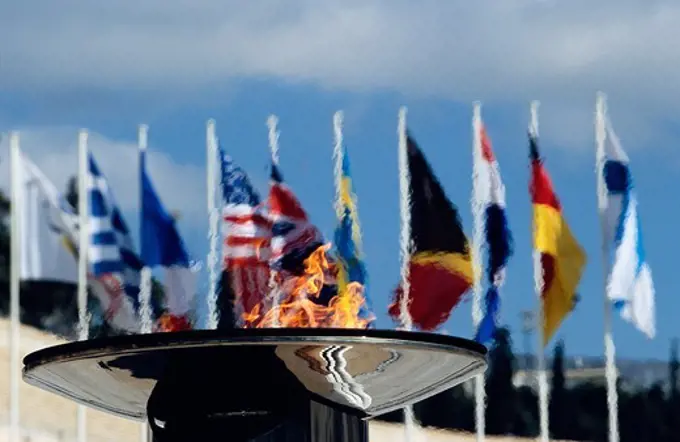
[490,198]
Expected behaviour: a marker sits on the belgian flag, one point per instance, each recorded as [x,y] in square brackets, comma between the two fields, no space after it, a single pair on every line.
[561,257]
[440,267]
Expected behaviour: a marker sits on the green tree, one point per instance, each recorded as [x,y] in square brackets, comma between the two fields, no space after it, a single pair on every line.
[673,405]
[4,253]
[558,395]
[674,371]
[451,409]
[500,390]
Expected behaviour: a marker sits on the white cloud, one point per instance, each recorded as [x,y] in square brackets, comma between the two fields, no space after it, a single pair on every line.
[510,50]
[181,186]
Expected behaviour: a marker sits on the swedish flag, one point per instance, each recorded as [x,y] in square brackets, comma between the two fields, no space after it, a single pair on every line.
[348,239]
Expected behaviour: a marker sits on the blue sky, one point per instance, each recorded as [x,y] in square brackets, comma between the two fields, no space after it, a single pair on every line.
[110,68]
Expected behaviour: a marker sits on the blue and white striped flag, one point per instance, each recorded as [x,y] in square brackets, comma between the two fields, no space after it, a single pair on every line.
[630,286]
[111,251]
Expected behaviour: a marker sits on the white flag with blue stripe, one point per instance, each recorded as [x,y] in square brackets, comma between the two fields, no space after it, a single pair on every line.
[630,286]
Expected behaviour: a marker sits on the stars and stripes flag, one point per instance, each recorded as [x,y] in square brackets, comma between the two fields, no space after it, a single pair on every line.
[246,233]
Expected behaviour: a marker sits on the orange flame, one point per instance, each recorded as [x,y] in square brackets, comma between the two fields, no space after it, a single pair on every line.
[297,309]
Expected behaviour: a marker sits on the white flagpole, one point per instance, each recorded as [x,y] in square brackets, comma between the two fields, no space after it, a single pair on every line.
[272,125]
[602,203]
[213,234]
[538,279]
[405,241]
[338,156]
[405,215]
[478,233]
[15,274]
[83,242]
[145,286]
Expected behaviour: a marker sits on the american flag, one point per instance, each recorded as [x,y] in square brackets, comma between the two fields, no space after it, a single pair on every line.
[247,233]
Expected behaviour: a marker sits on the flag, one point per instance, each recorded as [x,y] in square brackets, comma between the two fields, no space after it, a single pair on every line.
[440,266]
[490,196]
[63,222]
[162,246]
[246,233]
[47,224]
[629,286]
[294,237]
[111,251]
[561,257]
[351,267]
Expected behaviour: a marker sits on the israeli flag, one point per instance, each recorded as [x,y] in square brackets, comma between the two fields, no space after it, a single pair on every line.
[630,286]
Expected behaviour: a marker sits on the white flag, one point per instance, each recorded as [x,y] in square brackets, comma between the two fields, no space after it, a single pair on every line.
[49,245]
[630,286]
[46,246]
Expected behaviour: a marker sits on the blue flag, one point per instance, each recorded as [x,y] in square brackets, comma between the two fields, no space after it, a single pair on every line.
[162,246]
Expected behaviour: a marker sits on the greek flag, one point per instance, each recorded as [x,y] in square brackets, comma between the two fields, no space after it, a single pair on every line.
[630,286]
[111,251]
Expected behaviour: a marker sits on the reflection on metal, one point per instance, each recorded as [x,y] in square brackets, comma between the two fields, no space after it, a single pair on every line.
[342,381]
[304,385]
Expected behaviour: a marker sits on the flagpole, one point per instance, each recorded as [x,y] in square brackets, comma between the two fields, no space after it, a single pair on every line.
[478,232]
[609,348]
[15,274]
[273,136]
[83,242]
[404,242]
[538,279]
[213,214]
[145,284]
[338,156]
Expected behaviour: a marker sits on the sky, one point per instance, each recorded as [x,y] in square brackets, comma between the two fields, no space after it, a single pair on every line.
[173,64]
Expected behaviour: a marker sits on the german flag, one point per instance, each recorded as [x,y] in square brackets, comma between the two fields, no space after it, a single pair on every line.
[440,267]
[561,257]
